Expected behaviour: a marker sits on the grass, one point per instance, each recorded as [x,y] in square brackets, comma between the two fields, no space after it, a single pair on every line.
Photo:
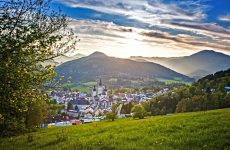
[89,83]
[176,80]
[199,130]
[82,87]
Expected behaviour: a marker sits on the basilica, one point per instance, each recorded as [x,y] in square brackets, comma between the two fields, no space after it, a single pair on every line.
[100,97]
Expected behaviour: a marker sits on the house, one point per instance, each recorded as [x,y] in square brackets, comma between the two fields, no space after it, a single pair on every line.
[227,88]
[79,105]
[129,97]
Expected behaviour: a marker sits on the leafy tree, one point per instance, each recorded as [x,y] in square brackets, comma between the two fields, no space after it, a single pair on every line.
[227,100]
[30,34]
[163,111]
[192,90]
[155,111]
[139,111]
[126,108]
[184,105]
[54,110]
[52,101]
[112,115]
[36,114]
[146,105]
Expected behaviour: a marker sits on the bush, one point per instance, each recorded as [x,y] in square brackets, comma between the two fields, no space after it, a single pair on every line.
[139,111]
[111,116]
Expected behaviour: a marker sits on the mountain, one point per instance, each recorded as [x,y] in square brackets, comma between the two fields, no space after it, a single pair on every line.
[99,65]
[197,65]
[62,59]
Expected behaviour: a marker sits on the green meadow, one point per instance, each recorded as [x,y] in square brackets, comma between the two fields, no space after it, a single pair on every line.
[208,130]
[176,80]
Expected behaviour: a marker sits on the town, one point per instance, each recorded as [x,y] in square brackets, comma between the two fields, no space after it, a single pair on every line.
[90,107]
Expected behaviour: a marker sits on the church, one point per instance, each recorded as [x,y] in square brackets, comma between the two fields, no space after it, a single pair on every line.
[100,96]
[101,90]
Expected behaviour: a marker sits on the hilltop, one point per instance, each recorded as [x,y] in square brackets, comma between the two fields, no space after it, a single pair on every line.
[99,65]
[198,130]
[62,59]
[196,65]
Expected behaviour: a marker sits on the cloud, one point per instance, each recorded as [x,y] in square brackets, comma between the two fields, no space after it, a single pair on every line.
[148,11]
[208,29]
[97,28]
[225,18]
[102,36]
[188,40]
[181,15]
[177,25]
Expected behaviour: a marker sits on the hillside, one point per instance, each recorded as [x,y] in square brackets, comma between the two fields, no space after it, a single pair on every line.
[62,59]
[200,130]
[207,93]
[197,65]
[216,81]
[217,76]
[98,65]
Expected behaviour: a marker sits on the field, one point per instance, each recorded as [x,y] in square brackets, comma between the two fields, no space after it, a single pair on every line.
[176,80]
[85,87]
[200,130]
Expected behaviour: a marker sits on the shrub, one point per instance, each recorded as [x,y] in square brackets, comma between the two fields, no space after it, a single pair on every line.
[111,116]
[139,111]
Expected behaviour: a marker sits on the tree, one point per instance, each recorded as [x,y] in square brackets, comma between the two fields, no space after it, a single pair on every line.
[30,34]
[36,114]
[184,105]
[139,111]
[226,101]
[163,111]
[126,108]
[112,114]
[146,105]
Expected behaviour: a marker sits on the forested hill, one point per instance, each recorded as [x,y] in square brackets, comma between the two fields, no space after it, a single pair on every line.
[98,65]
[214,83]
[205,94]
[217,77]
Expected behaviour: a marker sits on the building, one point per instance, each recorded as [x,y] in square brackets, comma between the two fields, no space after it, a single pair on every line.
[100,97]
[227,88]
[79,106]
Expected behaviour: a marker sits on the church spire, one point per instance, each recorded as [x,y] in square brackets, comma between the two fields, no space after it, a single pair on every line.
[94,88]
[105,89]
[100,83]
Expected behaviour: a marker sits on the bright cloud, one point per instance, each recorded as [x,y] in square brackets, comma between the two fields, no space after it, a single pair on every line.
[148,27]
[225,18]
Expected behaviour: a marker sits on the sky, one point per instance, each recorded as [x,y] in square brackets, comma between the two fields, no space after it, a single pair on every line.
[161,28]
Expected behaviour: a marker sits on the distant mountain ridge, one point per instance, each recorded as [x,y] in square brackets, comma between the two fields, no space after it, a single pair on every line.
[196,65]
[99,65]
[62,59]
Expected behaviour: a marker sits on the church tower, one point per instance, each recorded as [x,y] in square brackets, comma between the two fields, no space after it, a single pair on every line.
[100,88]
[94,91]
[106,91]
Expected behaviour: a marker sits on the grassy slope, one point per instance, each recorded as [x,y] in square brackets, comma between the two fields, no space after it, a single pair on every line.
[199,130]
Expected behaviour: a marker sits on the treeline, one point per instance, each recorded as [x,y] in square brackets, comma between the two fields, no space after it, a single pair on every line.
[206,94]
